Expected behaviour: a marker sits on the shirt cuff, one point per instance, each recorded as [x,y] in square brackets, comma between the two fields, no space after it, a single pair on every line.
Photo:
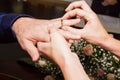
[6,25]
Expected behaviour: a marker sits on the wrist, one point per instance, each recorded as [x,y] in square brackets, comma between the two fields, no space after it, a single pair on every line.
[112,45]
[68,59]
[106,41]
[72,65]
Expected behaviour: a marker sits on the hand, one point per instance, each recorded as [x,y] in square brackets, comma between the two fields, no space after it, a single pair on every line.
[93,30]
[109,2]
[29,31]
[58,50]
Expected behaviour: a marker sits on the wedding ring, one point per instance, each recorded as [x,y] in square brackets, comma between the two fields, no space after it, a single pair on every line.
[61,23]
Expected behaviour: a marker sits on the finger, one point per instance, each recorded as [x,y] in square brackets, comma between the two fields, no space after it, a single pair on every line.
[70,22]
[44,47]
[78,32]
[77,12]
[69,35]
[66,38]
[57,23]
[78,4]
[32,50]
[42,36]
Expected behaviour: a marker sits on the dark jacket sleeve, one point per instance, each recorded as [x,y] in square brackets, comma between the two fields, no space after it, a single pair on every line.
[6,22]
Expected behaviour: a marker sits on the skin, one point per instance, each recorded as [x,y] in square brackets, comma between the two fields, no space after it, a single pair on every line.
[59,51]
[93,30]
[109,2]
[29,31]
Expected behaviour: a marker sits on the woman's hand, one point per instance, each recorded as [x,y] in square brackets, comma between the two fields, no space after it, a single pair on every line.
[58,50]
[93,30]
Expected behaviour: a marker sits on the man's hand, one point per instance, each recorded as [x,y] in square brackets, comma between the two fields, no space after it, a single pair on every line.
[29,31]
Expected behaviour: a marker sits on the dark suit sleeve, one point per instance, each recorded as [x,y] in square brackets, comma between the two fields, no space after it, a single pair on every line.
[6,22]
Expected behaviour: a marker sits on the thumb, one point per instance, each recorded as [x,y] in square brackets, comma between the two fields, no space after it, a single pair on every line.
[44,47]
[32,50]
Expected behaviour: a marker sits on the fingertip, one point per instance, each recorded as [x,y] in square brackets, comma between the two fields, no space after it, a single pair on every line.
[35,57]
[33,52]
[65,16]
[77,36]
[66,10]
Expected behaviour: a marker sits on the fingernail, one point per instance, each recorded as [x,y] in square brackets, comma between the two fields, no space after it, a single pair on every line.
[35,58]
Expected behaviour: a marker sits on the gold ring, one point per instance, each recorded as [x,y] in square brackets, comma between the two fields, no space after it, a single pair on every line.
[61,23]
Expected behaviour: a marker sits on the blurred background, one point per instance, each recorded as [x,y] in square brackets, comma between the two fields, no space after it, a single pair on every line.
[108,11]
